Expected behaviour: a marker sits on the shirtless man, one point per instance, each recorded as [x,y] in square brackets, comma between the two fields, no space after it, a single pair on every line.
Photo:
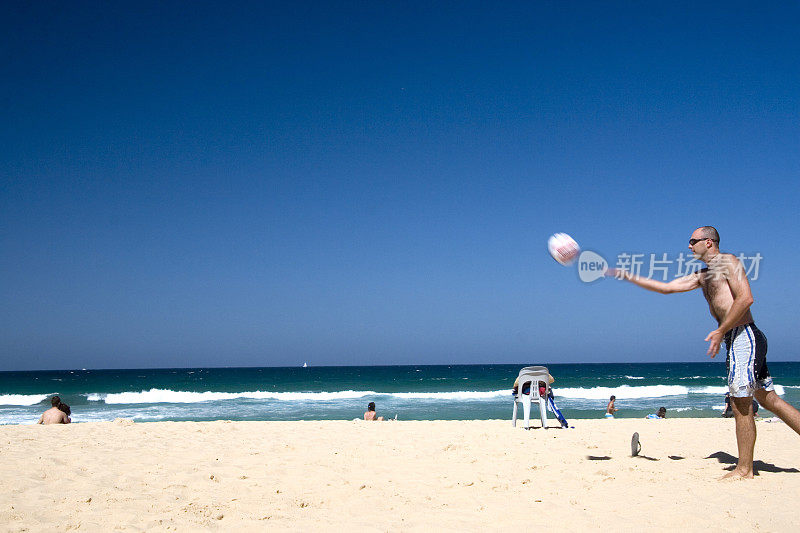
[54,415]
[727,291]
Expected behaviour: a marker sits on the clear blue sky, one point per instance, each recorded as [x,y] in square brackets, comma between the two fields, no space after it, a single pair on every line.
[197,184]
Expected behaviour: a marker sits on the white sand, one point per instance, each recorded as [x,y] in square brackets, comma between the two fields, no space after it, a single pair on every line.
[393,476]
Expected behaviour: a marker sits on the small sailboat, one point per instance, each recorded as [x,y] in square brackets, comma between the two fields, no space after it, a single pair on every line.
[305,365]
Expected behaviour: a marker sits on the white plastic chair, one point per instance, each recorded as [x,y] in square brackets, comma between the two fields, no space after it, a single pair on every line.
[534,369]
[531,376]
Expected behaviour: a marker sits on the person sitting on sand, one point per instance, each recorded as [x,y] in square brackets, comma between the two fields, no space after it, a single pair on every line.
[610,409]
[54,415]
[371,414]
[67,411]
[662,413]
[727,412]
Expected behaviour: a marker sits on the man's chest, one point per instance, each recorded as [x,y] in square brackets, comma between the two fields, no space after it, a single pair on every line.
[715,288]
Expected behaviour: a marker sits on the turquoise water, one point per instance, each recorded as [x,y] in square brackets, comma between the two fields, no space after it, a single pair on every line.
[457,392]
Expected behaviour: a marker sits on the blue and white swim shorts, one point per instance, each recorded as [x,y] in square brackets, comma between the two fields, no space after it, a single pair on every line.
[747,361]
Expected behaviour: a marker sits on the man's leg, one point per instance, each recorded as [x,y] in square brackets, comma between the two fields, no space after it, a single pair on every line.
[745,436]
[772,402]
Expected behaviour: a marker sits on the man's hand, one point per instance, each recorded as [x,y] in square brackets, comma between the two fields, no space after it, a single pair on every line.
[714,339]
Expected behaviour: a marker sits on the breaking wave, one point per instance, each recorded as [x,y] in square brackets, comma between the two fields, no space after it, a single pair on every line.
[22,399]
[171,396]
[152,396]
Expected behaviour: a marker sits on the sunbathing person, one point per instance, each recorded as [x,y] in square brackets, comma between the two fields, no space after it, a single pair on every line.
[54,415]
[370,414]
[66,410]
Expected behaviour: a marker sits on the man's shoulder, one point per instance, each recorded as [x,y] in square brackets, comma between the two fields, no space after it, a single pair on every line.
[728,265]
[727,260]
[722,265]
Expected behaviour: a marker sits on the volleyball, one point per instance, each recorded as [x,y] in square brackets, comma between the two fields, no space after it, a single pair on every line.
[563,248]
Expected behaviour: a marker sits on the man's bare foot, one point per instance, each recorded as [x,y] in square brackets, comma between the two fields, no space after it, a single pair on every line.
[736,475]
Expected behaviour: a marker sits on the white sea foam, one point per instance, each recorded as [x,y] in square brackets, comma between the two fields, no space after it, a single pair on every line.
[154,396]
[22,399]
[779,389]
[171,396]
[625,392]
[709,390]
[457,395]
[635,377]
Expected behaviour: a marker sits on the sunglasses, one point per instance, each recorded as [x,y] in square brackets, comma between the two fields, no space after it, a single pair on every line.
[692,242]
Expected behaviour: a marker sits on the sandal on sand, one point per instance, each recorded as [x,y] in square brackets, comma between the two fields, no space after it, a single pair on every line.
[636,446]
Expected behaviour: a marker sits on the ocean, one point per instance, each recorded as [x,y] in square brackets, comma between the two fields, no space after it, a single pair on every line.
[441,392]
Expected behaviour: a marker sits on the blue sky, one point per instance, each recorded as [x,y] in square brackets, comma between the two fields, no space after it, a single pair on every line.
[374,182]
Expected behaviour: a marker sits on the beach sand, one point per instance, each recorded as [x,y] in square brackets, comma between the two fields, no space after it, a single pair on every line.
[393,476]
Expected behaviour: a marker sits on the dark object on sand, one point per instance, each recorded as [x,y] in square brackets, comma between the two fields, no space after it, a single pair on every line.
[636,446]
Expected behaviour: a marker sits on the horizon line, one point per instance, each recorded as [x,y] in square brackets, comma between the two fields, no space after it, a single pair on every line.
[369,366]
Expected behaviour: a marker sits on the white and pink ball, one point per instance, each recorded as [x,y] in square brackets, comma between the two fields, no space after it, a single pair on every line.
[563,248]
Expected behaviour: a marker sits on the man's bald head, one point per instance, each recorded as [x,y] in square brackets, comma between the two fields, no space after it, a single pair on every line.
[708,232]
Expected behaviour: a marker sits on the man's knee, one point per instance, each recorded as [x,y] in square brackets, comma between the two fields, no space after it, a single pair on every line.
[742,406]
[767,399]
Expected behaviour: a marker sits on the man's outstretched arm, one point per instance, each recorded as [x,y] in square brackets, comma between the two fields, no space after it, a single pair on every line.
[684,284]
